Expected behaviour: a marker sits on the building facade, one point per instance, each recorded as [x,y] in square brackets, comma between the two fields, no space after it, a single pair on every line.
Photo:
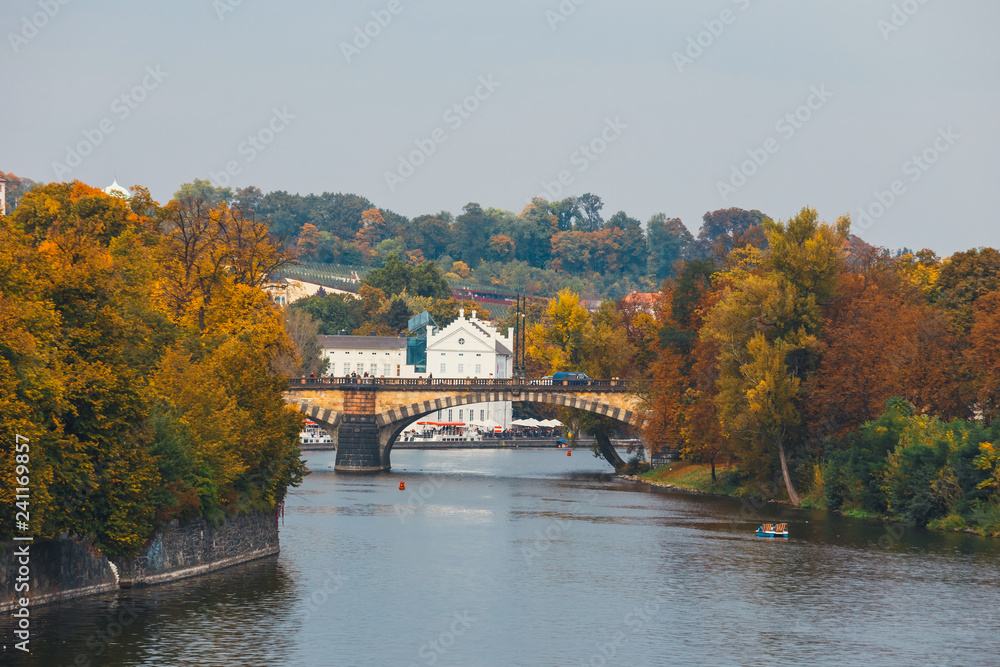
[466,348]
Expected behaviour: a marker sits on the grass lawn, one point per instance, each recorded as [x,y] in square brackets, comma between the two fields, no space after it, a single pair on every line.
[694,476]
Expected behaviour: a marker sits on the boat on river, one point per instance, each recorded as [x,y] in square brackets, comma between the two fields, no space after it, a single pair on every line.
[773,530]
[313,434]
[443,432]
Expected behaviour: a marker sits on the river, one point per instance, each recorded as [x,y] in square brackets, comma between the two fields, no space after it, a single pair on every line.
[532,557]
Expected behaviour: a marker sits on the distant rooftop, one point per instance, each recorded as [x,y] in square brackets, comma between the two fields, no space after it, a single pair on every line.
[362,342]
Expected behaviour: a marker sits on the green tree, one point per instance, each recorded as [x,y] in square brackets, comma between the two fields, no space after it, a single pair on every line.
[533,233]
[396,277]
[669,241]
[332,313]
[203,191]
[591,220]
[471,233]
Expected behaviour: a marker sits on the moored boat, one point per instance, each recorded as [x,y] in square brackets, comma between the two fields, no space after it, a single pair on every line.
[773,530]
[313,435]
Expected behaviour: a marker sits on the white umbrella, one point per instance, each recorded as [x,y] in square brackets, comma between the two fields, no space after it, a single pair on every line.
[551,423]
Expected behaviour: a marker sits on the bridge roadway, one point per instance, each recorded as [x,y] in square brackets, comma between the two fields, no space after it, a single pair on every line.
[364,416]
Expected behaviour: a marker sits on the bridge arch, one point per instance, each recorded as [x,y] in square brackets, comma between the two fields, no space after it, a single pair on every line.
[365,418]
[396,420]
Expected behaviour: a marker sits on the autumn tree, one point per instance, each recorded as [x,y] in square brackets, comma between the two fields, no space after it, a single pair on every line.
[372,230]
[724,230]
[963,279]
[983,355]
[308,242]
[765,326]
[500,248]
[881,340]
[152,390]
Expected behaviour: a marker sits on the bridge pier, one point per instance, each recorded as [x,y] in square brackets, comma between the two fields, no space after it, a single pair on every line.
[358,447]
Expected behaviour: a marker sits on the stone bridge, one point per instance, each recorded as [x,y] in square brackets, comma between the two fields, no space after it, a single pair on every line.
[365,416]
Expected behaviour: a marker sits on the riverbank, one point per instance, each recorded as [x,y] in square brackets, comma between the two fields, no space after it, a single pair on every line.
[697,478]
[69,568]
[690,477]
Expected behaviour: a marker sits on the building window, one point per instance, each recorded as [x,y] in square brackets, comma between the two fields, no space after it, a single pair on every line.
[461,415]
[346,352]
[347,368]
[386,370]
[361,369]
[443,367]
[461,368]
[479,369]
[461,341]
[482,415]
[449,415]
[373,370]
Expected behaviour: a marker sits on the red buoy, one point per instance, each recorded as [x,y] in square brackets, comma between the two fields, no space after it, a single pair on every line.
[569,452]
[402,486]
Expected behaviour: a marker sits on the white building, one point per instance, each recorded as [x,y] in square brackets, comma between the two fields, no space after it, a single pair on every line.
[379,356]
[466,348]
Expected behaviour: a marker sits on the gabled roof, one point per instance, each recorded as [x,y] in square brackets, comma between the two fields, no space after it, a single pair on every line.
[362,342]
[502,349]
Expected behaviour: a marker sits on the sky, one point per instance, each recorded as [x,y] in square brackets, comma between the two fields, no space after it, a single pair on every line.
[882,109]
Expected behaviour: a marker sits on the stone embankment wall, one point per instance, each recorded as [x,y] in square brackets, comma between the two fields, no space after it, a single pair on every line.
[70,568]
[57,570]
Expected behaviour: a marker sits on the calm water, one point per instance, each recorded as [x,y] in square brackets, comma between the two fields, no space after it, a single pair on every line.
[535,558]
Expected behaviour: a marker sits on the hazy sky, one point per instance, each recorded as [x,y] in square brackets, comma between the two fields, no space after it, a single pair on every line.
[657,106]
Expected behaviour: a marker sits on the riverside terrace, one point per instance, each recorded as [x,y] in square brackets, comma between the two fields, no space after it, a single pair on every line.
[364,416]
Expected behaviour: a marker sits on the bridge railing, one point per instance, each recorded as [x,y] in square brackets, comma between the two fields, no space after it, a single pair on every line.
[417,384]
